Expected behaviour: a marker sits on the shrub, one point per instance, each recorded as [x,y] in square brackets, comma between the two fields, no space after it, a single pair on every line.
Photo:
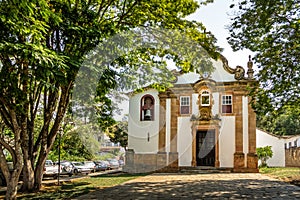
[264,153]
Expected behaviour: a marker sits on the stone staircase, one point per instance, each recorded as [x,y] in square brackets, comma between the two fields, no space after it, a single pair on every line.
[203,170]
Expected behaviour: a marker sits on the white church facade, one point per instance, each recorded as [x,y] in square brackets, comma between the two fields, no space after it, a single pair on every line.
[200,121]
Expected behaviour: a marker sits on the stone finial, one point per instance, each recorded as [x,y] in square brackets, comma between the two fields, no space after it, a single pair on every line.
[250,71]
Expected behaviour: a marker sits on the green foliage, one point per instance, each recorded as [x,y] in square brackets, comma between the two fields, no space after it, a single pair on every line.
[284,121]
[264,153]
[8,157]
[43,45]
[74,146]
[119,133]
[105,156]
[271,29]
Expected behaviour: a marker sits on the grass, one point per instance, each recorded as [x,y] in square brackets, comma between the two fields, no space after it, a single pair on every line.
[289,174]
[79,187]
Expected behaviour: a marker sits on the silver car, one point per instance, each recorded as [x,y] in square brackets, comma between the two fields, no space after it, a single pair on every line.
[114,164]
[81,168]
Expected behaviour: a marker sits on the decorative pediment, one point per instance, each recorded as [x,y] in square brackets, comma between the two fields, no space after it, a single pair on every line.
[239,71]
[204,84]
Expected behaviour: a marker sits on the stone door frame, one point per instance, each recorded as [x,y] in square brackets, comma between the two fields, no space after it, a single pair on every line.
[206,126]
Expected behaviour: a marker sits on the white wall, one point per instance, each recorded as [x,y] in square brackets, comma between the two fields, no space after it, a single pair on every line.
[195,107]
[216,103]
[220,73]
[184,141]
[138,130]
[265,139]
[227,141]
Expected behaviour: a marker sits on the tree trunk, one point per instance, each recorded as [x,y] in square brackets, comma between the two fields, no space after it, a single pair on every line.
[12,188]
[38,177]
[28,177]
[39,171]
[12,180]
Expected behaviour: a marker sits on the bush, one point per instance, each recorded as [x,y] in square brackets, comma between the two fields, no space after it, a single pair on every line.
[263,154]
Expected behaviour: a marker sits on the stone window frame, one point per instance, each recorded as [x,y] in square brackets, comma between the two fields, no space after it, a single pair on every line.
[144,107]
[205,93]
[188,105]
[221,104]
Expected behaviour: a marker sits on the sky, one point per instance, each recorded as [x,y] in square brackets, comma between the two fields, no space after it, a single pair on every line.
[215,16]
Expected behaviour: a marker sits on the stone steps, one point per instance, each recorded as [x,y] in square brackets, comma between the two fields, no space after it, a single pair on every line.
[204,170]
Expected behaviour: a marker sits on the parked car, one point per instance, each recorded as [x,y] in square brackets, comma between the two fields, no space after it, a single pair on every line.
[91,165]
[50,169]
[100,165]
[67,168]
[81,168]
[114,164]
[121,162]
[107,164]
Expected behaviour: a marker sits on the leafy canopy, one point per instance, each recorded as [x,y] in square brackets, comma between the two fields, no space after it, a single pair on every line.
[285,121]
[271,29]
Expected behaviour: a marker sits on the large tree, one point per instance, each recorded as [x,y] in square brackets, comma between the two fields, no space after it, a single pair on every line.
[271,29]
[285,121]
[42,46]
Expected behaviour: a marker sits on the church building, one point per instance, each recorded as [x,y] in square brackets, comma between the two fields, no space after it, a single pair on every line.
[202,121]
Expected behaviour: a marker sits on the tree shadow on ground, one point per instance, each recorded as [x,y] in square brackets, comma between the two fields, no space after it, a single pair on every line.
[67,191]
[200,189]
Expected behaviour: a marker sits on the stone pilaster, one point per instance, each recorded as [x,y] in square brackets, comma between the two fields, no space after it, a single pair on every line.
[252,160]
[162,125]
[239,156]
[239,161]
[173,161]
[174,123]
[173,155]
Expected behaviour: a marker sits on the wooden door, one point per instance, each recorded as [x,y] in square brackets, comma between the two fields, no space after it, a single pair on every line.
[205,148]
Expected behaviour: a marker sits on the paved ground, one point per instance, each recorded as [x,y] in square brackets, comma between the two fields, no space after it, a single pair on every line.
[199,186]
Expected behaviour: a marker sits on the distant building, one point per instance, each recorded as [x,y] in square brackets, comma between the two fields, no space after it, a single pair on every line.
[106,145]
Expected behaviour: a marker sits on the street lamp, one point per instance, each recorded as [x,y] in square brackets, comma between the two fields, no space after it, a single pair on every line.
[60,131]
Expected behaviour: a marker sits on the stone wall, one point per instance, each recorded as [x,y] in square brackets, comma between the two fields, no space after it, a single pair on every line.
[292,157]
[140,163]
[145,163]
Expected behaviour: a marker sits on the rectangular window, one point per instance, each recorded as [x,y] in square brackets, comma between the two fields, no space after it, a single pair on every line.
[295,143]
[227,104]
[184,105]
